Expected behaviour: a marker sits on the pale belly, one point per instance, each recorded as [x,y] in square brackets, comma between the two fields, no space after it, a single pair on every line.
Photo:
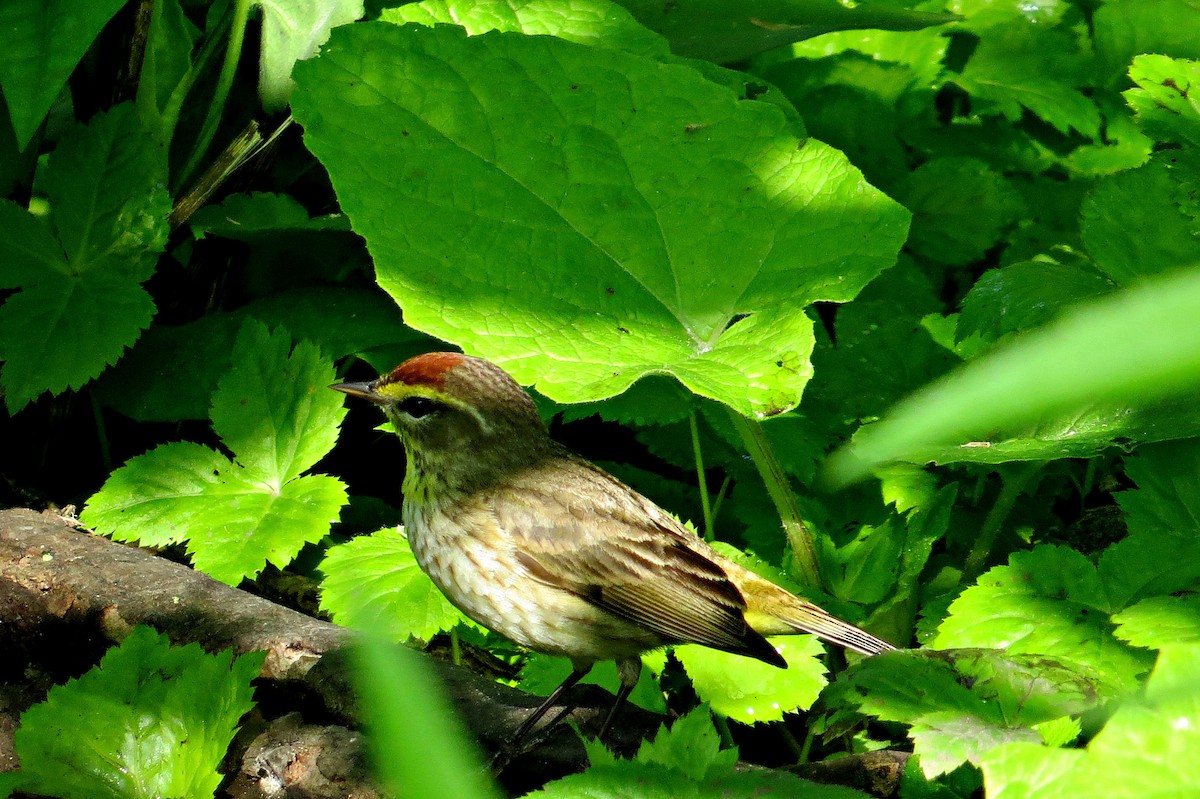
[491,587]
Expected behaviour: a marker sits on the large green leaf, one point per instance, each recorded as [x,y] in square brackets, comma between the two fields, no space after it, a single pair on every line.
[587,216]
[81,301]
[272,411]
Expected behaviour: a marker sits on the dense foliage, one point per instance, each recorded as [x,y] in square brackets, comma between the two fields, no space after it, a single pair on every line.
[918,280]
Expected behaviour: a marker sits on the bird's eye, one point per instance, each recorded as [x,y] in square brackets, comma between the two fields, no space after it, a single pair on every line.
[417,407]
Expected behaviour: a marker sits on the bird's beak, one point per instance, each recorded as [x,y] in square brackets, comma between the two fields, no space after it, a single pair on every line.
[362,390]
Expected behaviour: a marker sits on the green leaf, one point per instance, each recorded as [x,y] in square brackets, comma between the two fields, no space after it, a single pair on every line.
[963,703]
[340,319]
[624,233]
[150,720]
[418,744]
[59,333]
[882,353]
[76,315]
[1146,749]
[921,51]
[15,165]
[999,687]
[946,740]
[598,23]
[293,30]
[1129,349]
[41,41]
[692,746]
[1161,555]
[613,778]
[751,691]
[1160,621]
[244,524]
[238,516]
[924,526]
[1018,67]
[108,199]
[541,674]
[865,567]
[29,246]
[1025,295]
[160,497]
[1080,434]
[248,216]
[374,583]
[1124,144]
[343,320]
[1122,29]
[1160,196]
[728,32]
[273,409]
[1048,601]
[961,208]
[983,16]
[1166,101]
[166,71]
[653,402]
[145,384]
[798,442]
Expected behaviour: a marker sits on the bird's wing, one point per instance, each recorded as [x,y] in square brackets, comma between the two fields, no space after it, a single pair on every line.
[600,540]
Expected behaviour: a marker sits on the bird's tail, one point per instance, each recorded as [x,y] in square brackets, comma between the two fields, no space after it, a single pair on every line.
[771,610]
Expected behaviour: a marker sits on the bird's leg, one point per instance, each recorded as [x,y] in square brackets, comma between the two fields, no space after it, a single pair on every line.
[577,674]
[629,670]
[511,749]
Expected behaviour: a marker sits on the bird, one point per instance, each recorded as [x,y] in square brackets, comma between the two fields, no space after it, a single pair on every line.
[543,547]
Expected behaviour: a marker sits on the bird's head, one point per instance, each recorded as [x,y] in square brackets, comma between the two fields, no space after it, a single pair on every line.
[464,421]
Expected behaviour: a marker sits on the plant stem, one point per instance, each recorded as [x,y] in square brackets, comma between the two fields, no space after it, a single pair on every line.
[705,506]
[804,550]
[455,647]
[722,492]
[722,725]
[101,433]
[233,54]
[805,749]
[1014,480]
[1089,480]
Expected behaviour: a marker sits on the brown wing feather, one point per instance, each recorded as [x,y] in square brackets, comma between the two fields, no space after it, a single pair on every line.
[612,547]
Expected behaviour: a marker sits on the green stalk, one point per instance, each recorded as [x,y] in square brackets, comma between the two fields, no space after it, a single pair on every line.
[705,506]
[1014,480]
[800,751]
[233,53]
[722,492]
[804,550]
[174,108]
[101,433]
[723,731]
